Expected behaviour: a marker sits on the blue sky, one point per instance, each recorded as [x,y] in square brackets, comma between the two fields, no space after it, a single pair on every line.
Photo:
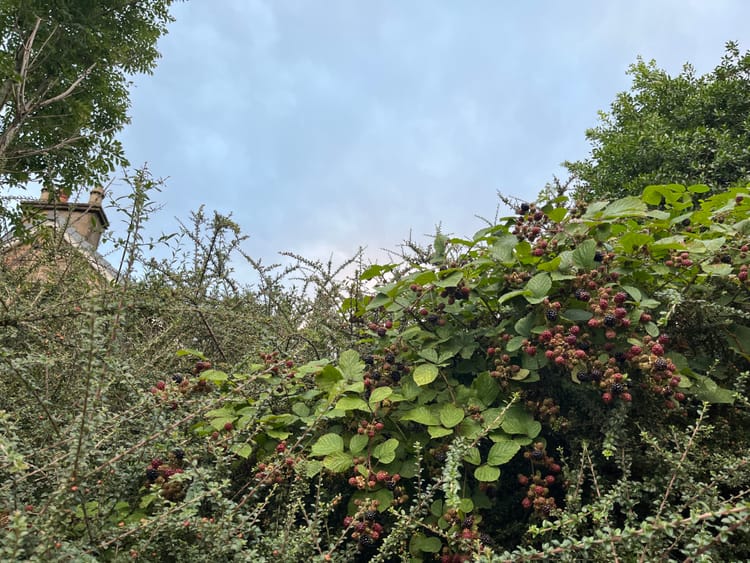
[325,126]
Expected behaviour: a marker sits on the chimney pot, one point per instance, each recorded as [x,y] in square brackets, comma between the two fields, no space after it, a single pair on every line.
[45,195]
[96,197]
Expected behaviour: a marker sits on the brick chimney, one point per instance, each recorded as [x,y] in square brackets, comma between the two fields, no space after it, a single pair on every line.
[88,219]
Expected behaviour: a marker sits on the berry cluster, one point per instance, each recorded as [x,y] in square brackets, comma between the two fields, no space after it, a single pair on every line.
[364,525]
[538,484]
[383,370]
[158,474]
[679,260]
[278,468]
[530,223]
[172,391]
[369,479]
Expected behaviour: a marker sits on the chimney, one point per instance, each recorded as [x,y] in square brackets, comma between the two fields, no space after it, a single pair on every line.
[87,219]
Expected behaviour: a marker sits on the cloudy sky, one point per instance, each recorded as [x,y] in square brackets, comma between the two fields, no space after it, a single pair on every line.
[327,125]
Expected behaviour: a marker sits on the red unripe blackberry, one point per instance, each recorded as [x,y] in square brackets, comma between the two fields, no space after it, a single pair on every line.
[657,349]
[555,468]
[523,480]
[526,503]
[160,385]
[607,397]
[550,479]
[620,297]
[424,312]
[679,396]
[627,397]
[388,324]
[645,318]
[228,426]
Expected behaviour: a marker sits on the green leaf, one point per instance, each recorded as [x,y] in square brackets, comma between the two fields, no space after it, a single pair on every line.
[438,431]
[419,543]
[502,452]
[717,269]
[502,249]
[472,456]
[328,377]
[429,354]
[576,315]
[486,473]
[349,403]
[450,415]
[242,450]
[634,292]
[326,444]
[519,421]
[486,388]
[351,365]
[338,462]
[630,206]
[515,343]
[358,443]
[376,270]
[214,375]
[424,374]
[583,255]
[190,352]
[386,452]
[539,285]
[380,393]
[511,294]
[421,415]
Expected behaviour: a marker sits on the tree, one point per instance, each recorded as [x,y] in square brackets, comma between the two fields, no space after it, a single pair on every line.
[684,129]
[65,68]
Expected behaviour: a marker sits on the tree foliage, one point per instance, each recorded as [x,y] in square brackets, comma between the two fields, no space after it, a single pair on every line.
[65,69]
[687,129]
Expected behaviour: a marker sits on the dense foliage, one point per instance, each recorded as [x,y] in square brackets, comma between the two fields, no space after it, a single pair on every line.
[570,382]
[65,70]
[685,128]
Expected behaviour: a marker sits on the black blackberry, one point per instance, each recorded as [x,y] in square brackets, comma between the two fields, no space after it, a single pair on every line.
[366,540]
[390,358]
[396,376]
[620,357]
[152,474]
[610,320]
[726,259]
[177,378]
[369,360]
[432,318]
[440,457]
[617,388]
[375,376]
[546,509]
[178,453]
[525,208]
[661,364]
[584,345]
[584,376]
[467,522]
[390,485]
[551,315]
[371,515]
[486,539]
[537,454]
[598,256]
[596,375]
[582,295]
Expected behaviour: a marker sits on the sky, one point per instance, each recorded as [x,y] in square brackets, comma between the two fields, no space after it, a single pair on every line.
[330,125]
